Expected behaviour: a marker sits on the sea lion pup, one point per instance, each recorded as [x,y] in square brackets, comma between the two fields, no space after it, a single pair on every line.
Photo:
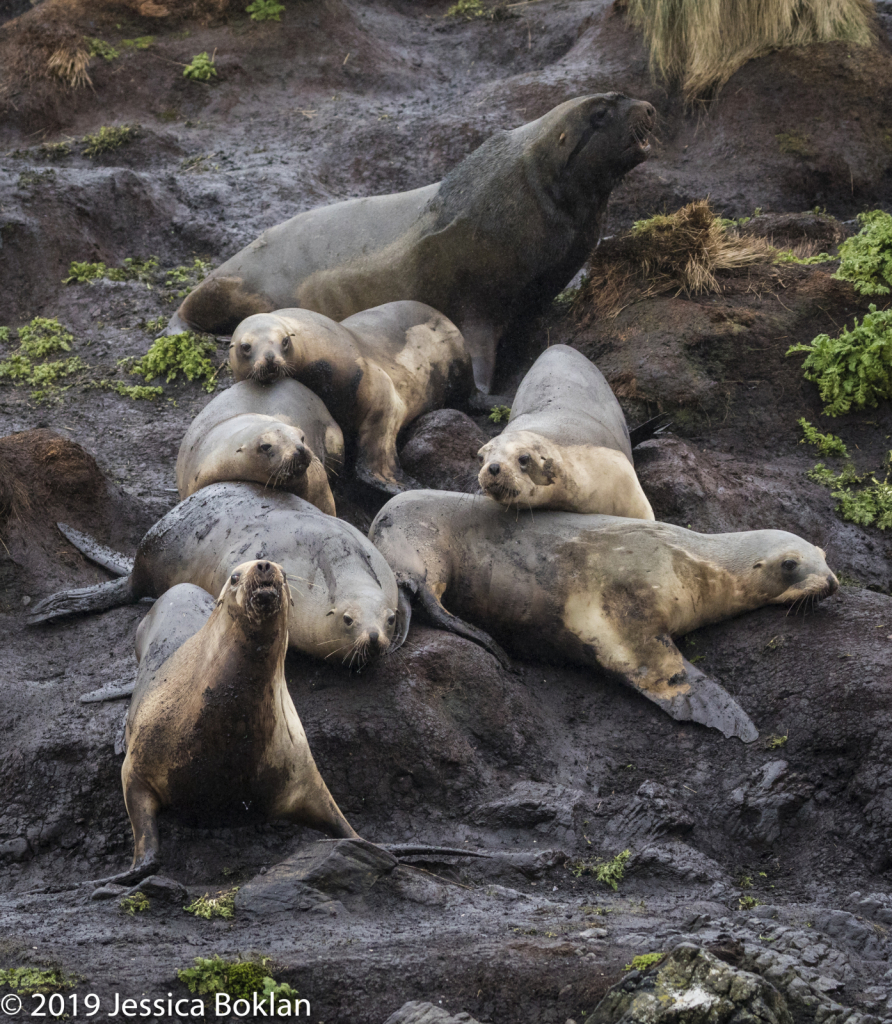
[596,590]
[212,733]
[345,603]
[489,246]
[566,446]
[280,436]
[377,371]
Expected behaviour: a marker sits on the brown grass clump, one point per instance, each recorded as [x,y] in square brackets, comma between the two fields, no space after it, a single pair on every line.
[51,51]
[699,44]
[683,251]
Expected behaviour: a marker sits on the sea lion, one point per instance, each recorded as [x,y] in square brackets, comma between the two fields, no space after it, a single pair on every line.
[566,446]
[377,371]
[597,590]
[345,602]
[212,733]
[280,435]
[488,246]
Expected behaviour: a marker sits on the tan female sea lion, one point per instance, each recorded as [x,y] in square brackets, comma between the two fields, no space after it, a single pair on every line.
[212,734]
[597,590]
[566,446]
[376,372]
[490,245]
[280,435]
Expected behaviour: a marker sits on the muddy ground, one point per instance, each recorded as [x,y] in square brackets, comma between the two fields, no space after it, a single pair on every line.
[440,745]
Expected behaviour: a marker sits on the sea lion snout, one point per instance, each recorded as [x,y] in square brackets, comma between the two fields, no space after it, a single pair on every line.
[493,468]
[262,587]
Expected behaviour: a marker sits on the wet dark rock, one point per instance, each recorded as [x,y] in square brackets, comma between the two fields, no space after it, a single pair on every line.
[440,451]
[16,850]
[110,892]
[692,984]
[678,861]
[427,1013]
[161,889]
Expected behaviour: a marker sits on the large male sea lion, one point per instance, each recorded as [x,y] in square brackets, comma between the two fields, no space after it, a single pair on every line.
[280,435]
[488,245]
[212,733]
[597,590]
[344,598]
[376,371]
[566,446]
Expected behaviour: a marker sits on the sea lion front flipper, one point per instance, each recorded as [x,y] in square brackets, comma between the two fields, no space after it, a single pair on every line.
[482,341]
[446,620]
[403,618]
[88,546]
[142,805]
[377,463]
[710,704]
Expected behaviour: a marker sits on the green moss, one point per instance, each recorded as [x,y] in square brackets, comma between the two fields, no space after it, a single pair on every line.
[28,179]
[748,902]
[4,335]
[827,444]
[775,742]
[641,963]
[610,872]
[81,273]
[202,68]
[100,48]
[140,43]
[265,10]
[239,979]
[499,413]
[745,881]
[30,980]
[794,144]
[134,391]
[866,258]
[109,138]
[44,336]
[156,324]
[788,256]
[871,506]
[853,370]
[185,353]
[134,904]
[184,278]
[467,9]
[55,150]
[207,906]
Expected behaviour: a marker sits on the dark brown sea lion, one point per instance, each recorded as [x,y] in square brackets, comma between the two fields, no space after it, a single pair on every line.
[566,446]
[488,246]
[345,603]
[212,733]
[377,371]
[596,590]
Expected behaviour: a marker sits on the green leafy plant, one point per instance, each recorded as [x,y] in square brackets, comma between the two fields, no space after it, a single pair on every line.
[239,979]
[40,338]
[81,273]
[827,444]
[866,258]
[870,506]
[853,370]
[610,872]
[788,256]
[109,138]
[467,9]
[745,882]
[201,69]
[265,10]
[4,335]
[134,904]
[185,353]
[100,48]
[55,150]
[30,980]
[641,963]
[775,742]
[207,906]
[134,391]
[499,413]
[44,336]
[187,276]
[748,902]
[140,43]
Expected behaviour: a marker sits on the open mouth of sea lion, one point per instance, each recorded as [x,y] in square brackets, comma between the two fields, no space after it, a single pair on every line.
[263,589]
[639,133]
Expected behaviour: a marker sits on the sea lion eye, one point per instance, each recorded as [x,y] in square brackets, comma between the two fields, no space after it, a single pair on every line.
[391,619]
[286,344]
[266,447]
[789,564]
[245,348]
[348,619]
[235,577]
[524,460]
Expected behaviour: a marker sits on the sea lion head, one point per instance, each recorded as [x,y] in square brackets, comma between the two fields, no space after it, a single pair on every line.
[256,595]
[520,468]
[362,627]
[260,348]
[789,570]
[278,456]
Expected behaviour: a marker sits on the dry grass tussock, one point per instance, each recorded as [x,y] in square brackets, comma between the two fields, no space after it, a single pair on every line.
[699,44]
[682,251]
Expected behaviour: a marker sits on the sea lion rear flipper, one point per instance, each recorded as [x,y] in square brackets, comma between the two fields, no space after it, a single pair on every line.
[85,599]
[403,618]
[112,691]
[446,620]
[653,427]
[88,546]
[481,339]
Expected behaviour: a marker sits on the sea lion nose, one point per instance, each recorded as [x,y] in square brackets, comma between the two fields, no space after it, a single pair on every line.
[265,568]
[494,468]
[650,111]
[832,584]
[270,358]
[373,636]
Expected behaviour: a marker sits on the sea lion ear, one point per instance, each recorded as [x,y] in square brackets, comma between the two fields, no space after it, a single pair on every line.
[403,617]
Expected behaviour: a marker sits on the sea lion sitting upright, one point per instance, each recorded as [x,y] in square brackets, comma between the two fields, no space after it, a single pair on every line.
[280,436]
[597,590]
[488,246]
[566,446]
[377,371]
[212,733]
[345,602]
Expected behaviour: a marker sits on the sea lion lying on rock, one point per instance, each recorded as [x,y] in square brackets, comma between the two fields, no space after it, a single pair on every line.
[344,598]
[280,435]
[212,733]
[566,446]
[377,371]
[492,243]
[596,590]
